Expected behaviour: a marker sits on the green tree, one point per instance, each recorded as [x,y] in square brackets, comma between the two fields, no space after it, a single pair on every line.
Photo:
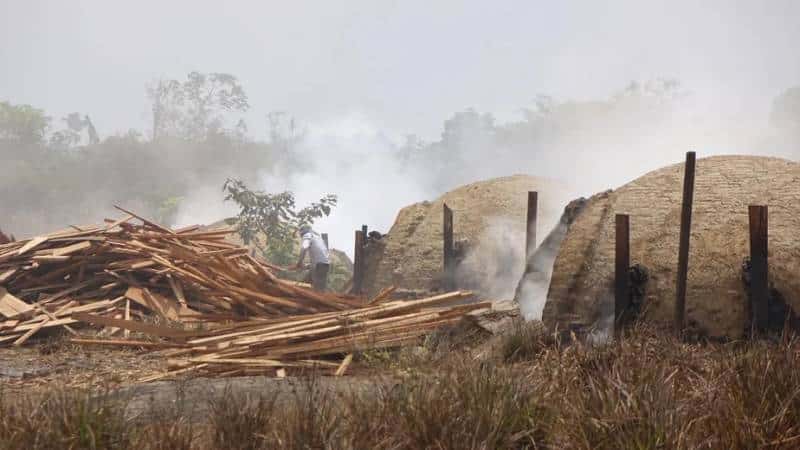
[195,108]
[22,124]
[166,97]
[270,221]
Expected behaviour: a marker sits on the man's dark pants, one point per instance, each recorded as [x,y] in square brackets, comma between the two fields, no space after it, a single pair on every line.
[319,277]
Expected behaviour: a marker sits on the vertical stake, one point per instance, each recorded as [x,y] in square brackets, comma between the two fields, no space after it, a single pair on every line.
[358,263]
[759,269]
[622,262]
[449,260]
[683,245]
[325,238]
[530,236]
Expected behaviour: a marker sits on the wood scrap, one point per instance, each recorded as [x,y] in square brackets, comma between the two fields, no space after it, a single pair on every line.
[208,306]
[183,276]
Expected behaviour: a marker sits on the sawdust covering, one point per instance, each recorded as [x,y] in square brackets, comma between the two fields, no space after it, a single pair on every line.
[581,288]
[489,220]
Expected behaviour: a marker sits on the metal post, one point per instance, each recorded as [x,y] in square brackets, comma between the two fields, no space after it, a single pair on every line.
[364,231]
[449,260]
[530,236]
[325,238]
[759,269]
[622,262]
[358,263]
[683,245]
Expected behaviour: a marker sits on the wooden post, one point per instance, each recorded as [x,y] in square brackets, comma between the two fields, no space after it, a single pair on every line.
[759,269]
[622,262]
[530,236]
[358,263]
[449,260]
[364,232]
[683,245]
[325,238]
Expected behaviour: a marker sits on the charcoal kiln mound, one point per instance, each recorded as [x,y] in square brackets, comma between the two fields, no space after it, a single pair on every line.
[581,287]
[489,233]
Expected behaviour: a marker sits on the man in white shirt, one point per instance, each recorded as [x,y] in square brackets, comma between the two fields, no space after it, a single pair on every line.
[313,245]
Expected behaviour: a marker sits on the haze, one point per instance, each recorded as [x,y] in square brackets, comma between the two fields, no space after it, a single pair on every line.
[466,78]
[405,65]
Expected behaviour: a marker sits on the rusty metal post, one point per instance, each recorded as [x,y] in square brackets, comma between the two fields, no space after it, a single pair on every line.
[325,238]
[759,269]
[358,263]
[449,258]
[622,262]
[683,245]
[530,236]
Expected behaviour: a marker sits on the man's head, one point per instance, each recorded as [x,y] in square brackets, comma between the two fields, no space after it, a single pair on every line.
[304,229]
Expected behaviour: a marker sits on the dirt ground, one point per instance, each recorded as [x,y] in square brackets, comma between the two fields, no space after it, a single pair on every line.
[47,367]
[53,364]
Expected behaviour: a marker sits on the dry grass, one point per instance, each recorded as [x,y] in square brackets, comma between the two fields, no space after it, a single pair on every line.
[645,391]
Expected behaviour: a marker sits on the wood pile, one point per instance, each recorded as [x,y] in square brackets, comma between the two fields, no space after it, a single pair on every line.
[208,306]
[324,341]
[124,271]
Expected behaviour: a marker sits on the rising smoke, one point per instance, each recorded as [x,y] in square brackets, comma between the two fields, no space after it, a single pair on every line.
[586,145]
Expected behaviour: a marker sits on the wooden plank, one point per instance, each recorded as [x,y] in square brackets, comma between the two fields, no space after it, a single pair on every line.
[70,249]
[51,259]
[49,324]
[117,223]
[622,264]
[133,325]
[127,333]
[344,365]
[11,307]
[683,245]
[154,302]
[172,373]
[759,269]
[448,257]
[31,244]
[5,276]
[21,340]
[147,222]
[125,343]
[530,235]
[358,263]
[382,295]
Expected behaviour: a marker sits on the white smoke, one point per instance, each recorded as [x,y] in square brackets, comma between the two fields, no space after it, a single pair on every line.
[356,160]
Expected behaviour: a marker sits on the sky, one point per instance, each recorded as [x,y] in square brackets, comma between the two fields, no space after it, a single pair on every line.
[407,65]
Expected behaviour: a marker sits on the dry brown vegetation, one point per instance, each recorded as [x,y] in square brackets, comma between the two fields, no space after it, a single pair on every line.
[648,390]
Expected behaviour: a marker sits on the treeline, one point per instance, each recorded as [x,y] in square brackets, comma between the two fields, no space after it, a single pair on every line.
[57,172]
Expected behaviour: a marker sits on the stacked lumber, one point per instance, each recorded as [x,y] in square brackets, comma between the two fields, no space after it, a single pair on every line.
[207,305]
[123,270]
[323,341]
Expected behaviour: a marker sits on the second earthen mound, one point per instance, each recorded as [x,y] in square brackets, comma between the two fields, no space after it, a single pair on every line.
[581,289]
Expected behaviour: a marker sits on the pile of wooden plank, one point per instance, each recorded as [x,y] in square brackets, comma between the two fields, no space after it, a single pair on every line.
[207,305]
[127,270]
[323,342]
